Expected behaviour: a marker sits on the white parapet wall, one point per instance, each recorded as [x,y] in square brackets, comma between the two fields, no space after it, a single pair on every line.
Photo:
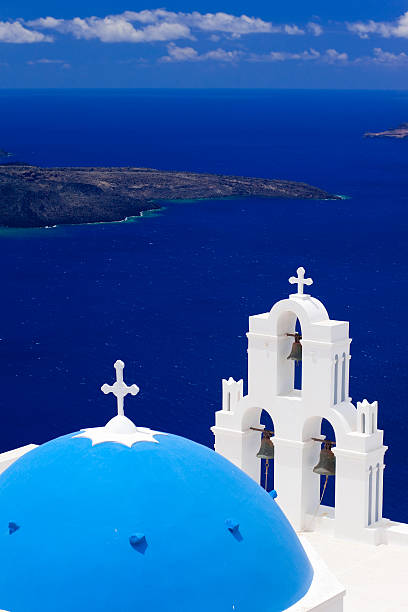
[9,457]
[386,532]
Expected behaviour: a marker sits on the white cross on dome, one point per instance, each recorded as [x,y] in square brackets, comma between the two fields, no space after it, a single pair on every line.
[120,429]
[120,388]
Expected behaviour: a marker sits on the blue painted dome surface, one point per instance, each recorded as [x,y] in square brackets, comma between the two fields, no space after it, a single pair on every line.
[74,510]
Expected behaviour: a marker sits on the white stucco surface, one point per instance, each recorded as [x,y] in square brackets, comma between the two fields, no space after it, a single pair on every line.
[375,577]
[326,593]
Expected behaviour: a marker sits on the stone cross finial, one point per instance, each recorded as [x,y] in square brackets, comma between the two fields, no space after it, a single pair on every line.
[119,388]
[300,280]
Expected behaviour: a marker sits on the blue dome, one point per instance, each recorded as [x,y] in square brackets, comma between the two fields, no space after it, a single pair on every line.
[169,527]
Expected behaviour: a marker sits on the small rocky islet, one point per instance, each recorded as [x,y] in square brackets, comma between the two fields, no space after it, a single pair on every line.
[399,132]
[31,196]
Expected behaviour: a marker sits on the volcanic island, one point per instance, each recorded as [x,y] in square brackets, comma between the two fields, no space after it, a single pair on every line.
[31,196]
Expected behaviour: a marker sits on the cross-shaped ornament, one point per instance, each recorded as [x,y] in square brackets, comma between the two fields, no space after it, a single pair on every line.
[119,388]
[300,280]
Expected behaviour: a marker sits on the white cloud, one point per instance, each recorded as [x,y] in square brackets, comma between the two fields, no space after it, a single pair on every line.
[315,28]
[284,56]
[163,25]
[223,22]
[221,55]
[380,57]
[180,54]
[386,29]
[329,56]
[293,30]
[189,54]
[15,32]
[46,23]
[385,57]
[57,62]
[113,29]
[208,22]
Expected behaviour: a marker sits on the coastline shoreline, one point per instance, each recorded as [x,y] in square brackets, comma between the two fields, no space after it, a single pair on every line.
[32,196]
[153,211]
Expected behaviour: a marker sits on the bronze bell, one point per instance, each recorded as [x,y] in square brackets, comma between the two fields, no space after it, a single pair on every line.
[267,450]
[327,462]
[296,352]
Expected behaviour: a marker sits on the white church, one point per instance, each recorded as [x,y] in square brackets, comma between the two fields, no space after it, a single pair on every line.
[122,517]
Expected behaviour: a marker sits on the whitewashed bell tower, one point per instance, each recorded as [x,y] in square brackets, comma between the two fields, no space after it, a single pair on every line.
[297,414]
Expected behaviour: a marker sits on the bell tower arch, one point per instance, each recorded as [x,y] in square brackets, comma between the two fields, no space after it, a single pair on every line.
[297,414]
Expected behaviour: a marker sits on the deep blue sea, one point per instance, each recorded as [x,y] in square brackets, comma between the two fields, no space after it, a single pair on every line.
[171,293]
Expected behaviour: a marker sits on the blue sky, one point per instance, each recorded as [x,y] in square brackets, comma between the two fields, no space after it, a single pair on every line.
[293,44]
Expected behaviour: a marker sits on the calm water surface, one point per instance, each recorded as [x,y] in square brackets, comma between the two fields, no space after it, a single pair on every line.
[170,294]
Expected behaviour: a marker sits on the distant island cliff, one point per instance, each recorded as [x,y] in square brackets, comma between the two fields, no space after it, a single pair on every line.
[399,132]
[34,197]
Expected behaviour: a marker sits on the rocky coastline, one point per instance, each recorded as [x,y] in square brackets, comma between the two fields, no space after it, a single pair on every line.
[31,196]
